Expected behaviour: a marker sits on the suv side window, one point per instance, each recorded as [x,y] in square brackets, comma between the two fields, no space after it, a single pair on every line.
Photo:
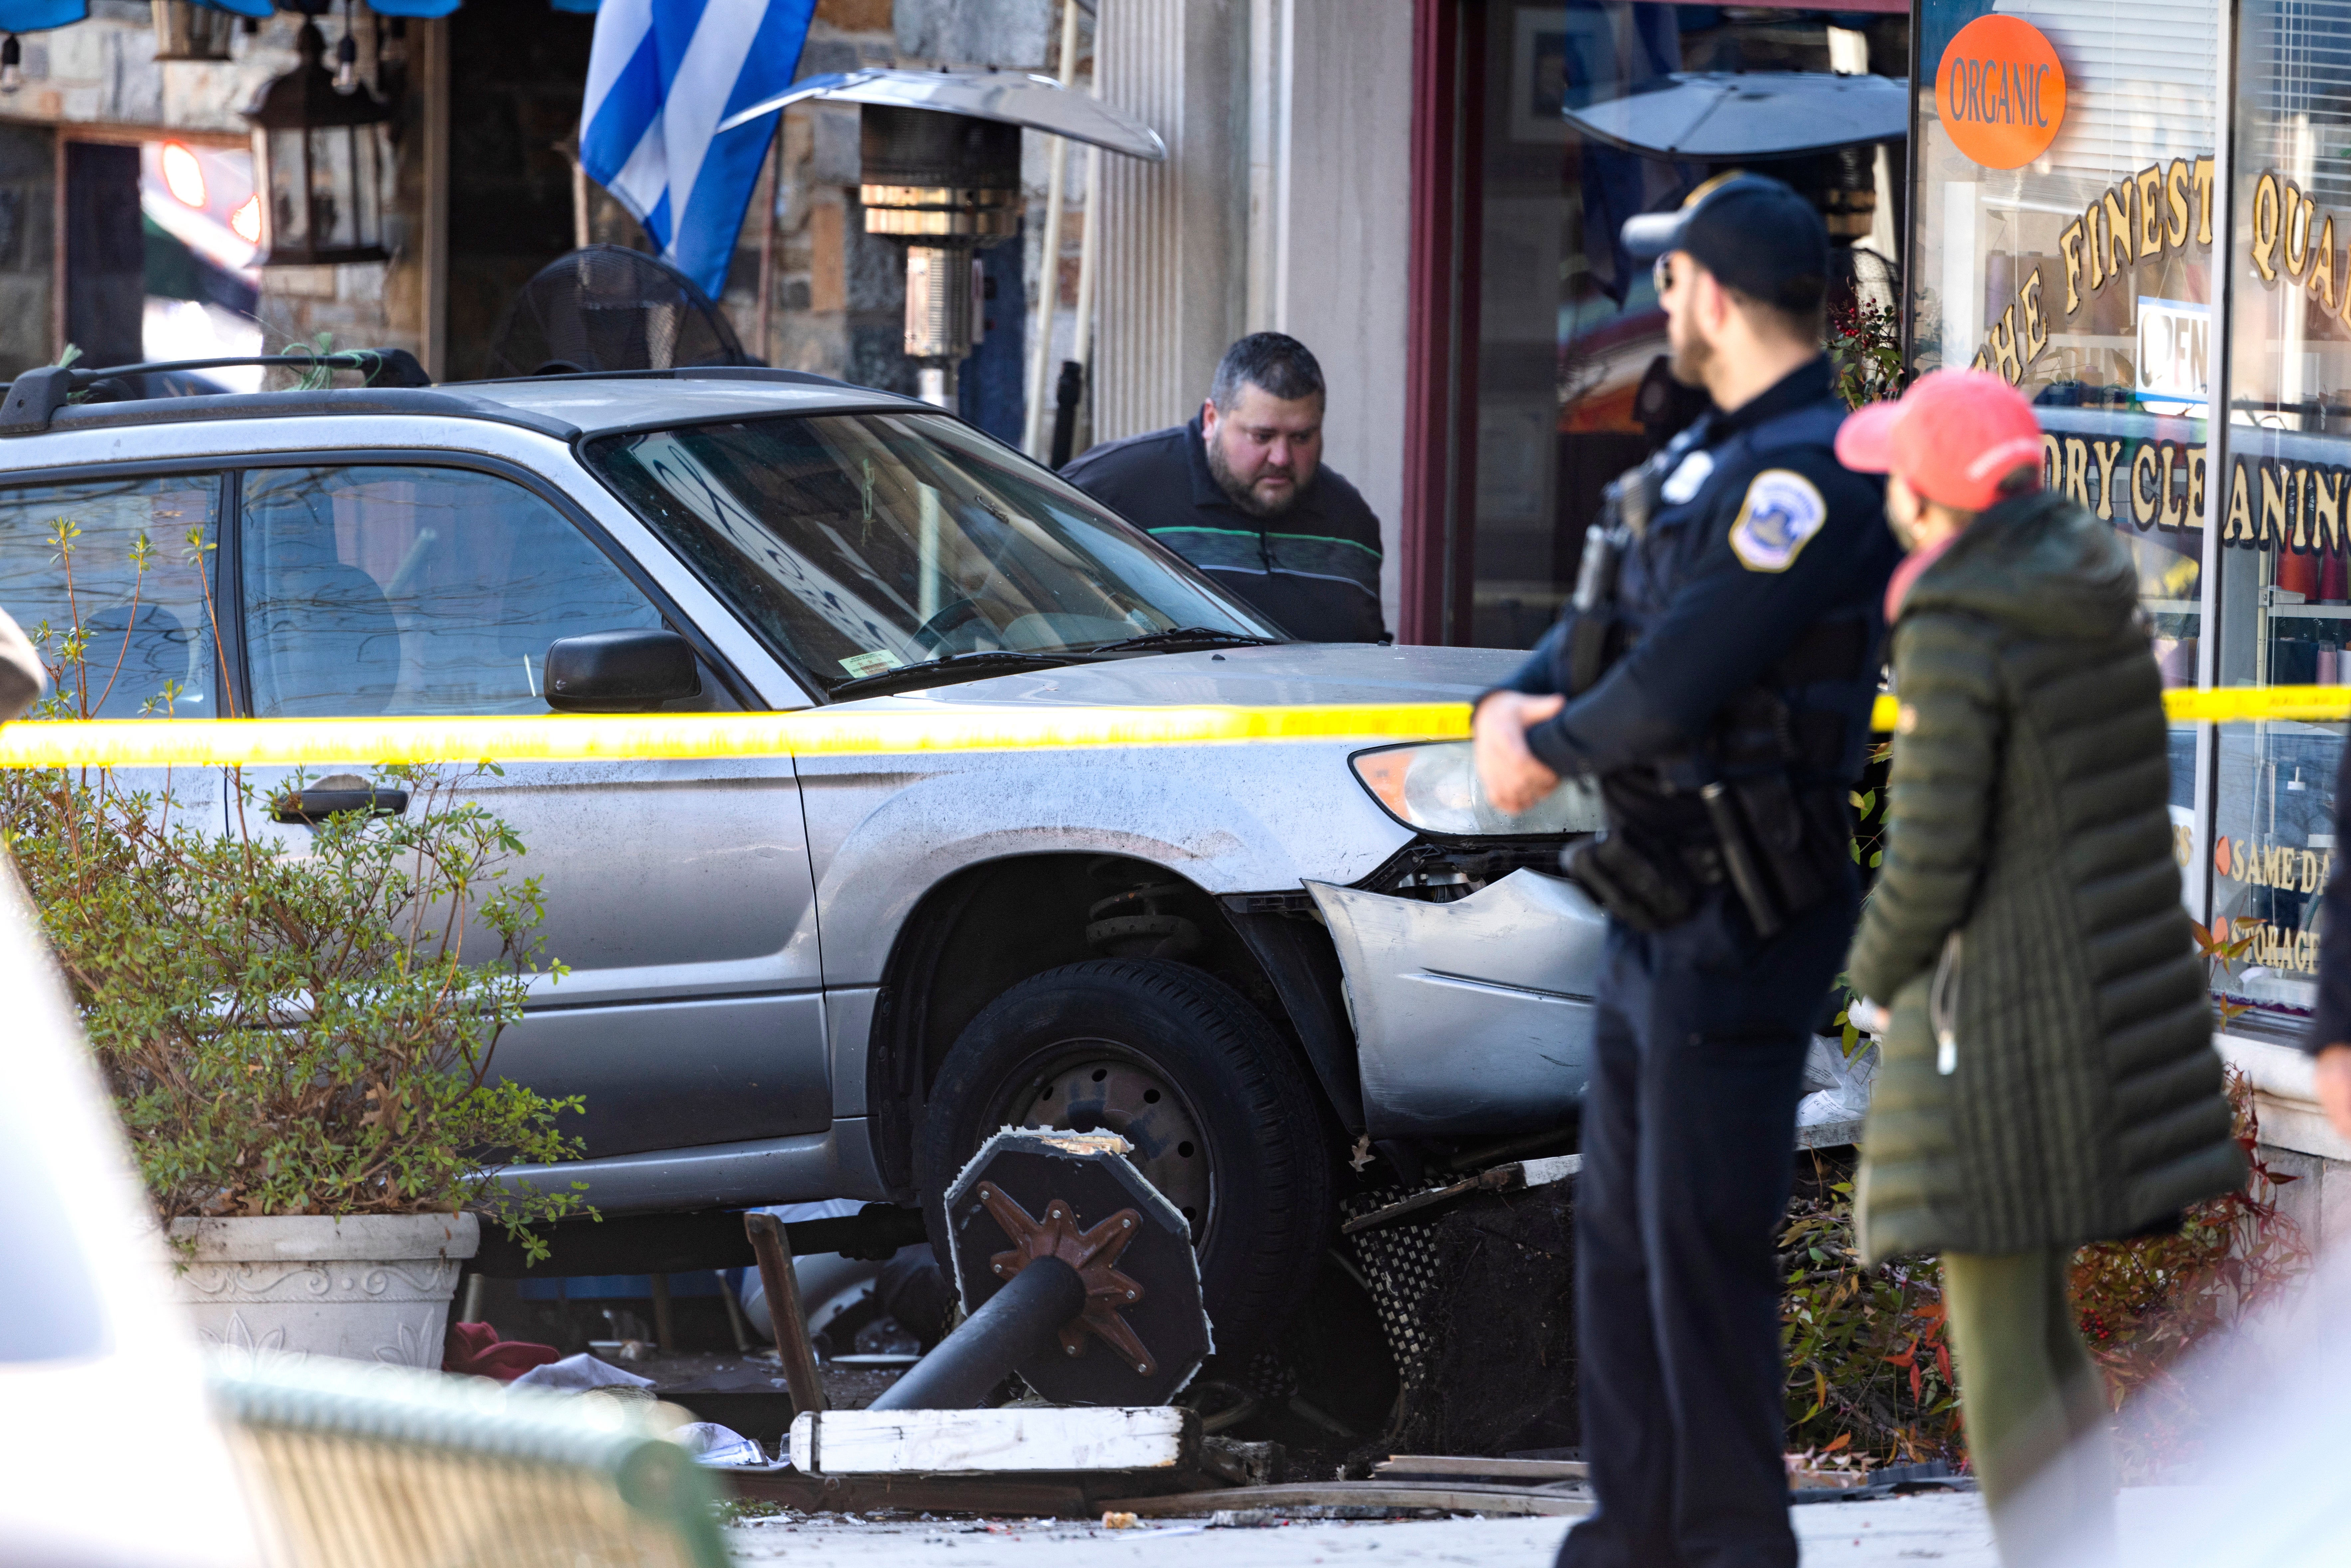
[397,590]
[112,579]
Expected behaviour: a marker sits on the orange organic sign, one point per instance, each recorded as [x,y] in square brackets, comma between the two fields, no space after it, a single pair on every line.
[2000,93]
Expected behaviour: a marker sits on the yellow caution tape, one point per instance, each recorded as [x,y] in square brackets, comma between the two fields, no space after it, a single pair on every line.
[2220,705]
[221,743]
[2234,705]
[224,743]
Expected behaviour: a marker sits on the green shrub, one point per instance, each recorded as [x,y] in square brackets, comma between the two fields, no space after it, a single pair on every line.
[293,1028]
[1869,1370]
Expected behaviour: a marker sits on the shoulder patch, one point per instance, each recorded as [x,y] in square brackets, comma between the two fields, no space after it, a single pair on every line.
[1781,513]
[1684,481]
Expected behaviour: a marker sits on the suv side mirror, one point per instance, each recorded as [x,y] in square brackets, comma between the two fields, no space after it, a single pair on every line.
[620,671]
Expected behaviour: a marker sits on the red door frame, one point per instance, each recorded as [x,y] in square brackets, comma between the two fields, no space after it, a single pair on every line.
[1438,535]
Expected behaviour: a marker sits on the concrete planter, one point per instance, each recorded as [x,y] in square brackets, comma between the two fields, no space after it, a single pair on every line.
[367,1288]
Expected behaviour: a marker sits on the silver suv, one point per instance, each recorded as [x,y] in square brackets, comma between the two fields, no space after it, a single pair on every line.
[833,980]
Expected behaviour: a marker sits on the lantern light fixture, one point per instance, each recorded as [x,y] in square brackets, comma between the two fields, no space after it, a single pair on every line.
[320,161]
[12,65]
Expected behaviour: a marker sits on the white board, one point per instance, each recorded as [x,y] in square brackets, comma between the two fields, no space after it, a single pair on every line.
[973,1442]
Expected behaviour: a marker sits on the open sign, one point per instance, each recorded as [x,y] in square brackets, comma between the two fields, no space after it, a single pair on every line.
[2175,351]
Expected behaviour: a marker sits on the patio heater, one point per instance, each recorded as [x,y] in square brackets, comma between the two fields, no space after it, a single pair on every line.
[945,187]
[941,176]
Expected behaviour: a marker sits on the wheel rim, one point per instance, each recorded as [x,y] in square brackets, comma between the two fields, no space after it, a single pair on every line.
[1100,1086]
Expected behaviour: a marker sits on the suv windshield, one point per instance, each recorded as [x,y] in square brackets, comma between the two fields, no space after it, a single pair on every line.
[859,544]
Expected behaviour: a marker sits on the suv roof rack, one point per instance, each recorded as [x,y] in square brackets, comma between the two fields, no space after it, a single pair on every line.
[35,397]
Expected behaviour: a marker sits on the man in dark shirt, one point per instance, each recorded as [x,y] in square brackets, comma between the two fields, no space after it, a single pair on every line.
[1241,493]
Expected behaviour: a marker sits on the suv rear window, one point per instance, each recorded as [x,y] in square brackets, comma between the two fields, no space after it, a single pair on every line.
[859,543]
[112,579]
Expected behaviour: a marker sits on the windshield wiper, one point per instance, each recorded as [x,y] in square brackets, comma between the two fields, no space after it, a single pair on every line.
[1184,637]
[939,672]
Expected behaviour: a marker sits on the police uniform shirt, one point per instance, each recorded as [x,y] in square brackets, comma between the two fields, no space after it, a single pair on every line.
[1760,536]
[1313,570]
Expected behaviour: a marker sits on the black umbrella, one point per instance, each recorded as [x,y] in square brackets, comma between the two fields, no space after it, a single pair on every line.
[1720,115]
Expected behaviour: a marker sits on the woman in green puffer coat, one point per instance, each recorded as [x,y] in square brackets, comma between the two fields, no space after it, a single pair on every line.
[2047,1075]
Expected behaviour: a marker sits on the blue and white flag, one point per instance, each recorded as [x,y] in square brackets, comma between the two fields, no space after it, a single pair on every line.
[660,77]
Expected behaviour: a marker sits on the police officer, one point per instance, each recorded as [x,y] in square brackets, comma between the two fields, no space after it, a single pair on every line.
[1715,673]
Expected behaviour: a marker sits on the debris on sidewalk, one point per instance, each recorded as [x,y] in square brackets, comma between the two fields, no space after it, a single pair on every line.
[1889,1481]
[1477,1303]
[475,1350]
[718,1447]
[578,1375]
[1516,1176]
[1469,1468]
[1078,1274]
[1082,1278]
[1822,1471]
[1014,1439]
[1367,1500]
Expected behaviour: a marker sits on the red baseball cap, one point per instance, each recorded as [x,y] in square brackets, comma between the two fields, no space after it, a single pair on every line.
[1953,437]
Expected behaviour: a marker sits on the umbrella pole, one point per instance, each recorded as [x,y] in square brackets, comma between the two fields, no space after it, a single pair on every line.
[1049,252]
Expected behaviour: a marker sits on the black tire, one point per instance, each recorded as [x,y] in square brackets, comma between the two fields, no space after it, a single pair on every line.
[1175,1051]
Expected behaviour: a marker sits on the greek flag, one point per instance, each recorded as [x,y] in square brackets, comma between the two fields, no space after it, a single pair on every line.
[661,76]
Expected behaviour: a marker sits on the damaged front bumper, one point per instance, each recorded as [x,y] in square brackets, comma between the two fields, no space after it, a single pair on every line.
[1473,1017]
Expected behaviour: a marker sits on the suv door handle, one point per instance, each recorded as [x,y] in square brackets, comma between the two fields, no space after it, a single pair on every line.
[316,806]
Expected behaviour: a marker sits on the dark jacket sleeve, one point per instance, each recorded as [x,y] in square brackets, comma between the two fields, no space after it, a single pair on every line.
[1533,678]
[1946,746]
[1725,625]
[2331,1024]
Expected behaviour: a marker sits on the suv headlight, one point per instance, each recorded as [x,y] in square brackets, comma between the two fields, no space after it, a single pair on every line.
[1434,788]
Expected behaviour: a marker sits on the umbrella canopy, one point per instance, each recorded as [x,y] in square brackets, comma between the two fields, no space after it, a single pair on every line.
[1014,97]
[41,15]
[1750,114]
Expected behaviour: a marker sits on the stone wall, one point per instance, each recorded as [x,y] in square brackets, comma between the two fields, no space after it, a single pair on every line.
[103,73]
[516,72]
[839,295]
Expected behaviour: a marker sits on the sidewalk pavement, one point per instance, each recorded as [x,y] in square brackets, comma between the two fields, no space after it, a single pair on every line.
[1949,1530]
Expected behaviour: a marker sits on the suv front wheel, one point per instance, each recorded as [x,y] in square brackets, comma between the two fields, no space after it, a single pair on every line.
[1221,1119]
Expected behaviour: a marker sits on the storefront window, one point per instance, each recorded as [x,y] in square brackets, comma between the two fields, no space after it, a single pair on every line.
[2062,238]
[1569,386]
[2281,593]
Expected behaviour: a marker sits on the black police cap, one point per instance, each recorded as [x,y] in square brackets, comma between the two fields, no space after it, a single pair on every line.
[1753,233]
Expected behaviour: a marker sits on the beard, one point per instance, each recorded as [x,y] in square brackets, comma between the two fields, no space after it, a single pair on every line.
[1691,356]
[1236,489]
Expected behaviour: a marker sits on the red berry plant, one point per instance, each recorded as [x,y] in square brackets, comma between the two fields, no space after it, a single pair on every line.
[1869,1369]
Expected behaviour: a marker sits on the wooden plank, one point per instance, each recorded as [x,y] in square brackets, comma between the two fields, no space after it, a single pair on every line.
[781,1286]
[1462,1497]
[1460,1466]
[988,1496]
[1013,1440]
